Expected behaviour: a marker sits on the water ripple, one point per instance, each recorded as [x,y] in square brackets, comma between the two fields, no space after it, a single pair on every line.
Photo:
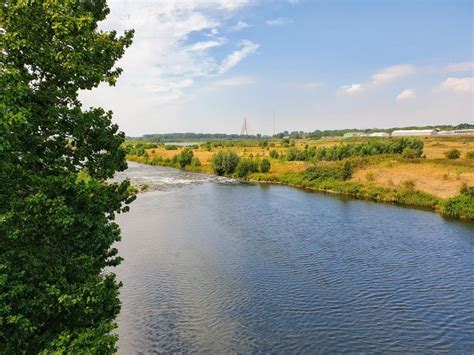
[216,268]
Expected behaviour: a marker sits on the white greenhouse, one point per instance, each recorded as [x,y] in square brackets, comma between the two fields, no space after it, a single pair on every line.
[414,132]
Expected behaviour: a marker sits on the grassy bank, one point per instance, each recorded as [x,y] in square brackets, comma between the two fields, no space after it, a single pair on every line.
[419,176]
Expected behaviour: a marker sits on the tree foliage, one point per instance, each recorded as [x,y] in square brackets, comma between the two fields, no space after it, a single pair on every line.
[225,163]
[57,213]
[246,167]
[265,166]
[343,151]
[185,157]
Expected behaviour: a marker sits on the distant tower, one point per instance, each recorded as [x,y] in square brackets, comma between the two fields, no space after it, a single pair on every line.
[244,130]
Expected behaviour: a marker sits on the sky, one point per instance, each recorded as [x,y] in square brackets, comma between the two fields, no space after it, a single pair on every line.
[205,65]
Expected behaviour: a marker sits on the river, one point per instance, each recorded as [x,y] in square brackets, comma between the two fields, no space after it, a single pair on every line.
[215,266]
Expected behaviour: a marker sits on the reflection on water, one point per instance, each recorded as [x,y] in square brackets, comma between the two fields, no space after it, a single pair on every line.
[219,268]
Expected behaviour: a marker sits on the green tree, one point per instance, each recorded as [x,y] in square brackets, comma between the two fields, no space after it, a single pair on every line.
[57,212]
[185,157]
[224,163]
[265,166]
[246,167]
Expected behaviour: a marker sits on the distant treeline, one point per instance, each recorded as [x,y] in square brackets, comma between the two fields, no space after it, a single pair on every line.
[191,137]
[317,134]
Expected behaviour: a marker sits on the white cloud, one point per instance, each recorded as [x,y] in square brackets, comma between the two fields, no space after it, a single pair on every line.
[392,73]
[202,46]
[458,85]
[407,94]
[460,67]
[239,26]
[380,77]
[237,81]
[169,54]
[293,2]
[351,89]
[278,21]
[248,47]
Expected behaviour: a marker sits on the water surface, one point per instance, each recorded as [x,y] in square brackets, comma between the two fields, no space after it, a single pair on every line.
[213,266]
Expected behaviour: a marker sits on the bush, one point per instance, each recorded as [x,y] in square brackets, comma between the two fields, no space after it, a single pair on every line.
[225,162]
[469,155]
[461,206]
[246,167]
[171,147]
[452,154]
[274,154]
[195,162]
[185,157]
[322,173]
[265,166]
[347,171]
[410,153]
[409,184]
[467,190]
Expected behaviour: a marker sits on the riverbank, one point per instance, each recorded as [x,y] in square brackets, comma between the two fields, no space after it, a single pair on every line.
[429,182]
[460,207]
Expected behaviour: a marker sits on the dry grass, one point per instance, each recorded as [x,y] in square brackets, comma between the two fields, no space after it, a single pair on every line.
[441,180]
[436,147]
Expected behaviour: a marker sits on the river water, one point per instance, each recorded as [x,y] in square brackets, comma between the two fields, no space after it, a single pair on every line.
[214,266]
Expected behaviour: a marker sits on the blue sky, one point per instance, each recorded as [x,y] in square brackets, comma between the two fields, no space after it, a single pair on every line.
[204,65]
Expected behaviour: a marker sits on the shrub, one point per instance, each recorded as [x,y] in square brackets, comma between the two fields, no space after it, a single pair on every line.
[461,206]
[320,173]
[185,157]
[409,184]
[195,162]
[225,162]
[265,166]
[246,167]
[410,153]
[158,160]
[467,190]
[469,155]
[347,171]
[171,147]
[274,154]
[452,154]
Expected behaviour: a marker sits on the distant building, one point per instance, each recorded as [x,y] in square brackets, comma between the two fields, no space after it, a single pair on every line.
[463,131]
[445,133]
[379,134]
[414,132]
